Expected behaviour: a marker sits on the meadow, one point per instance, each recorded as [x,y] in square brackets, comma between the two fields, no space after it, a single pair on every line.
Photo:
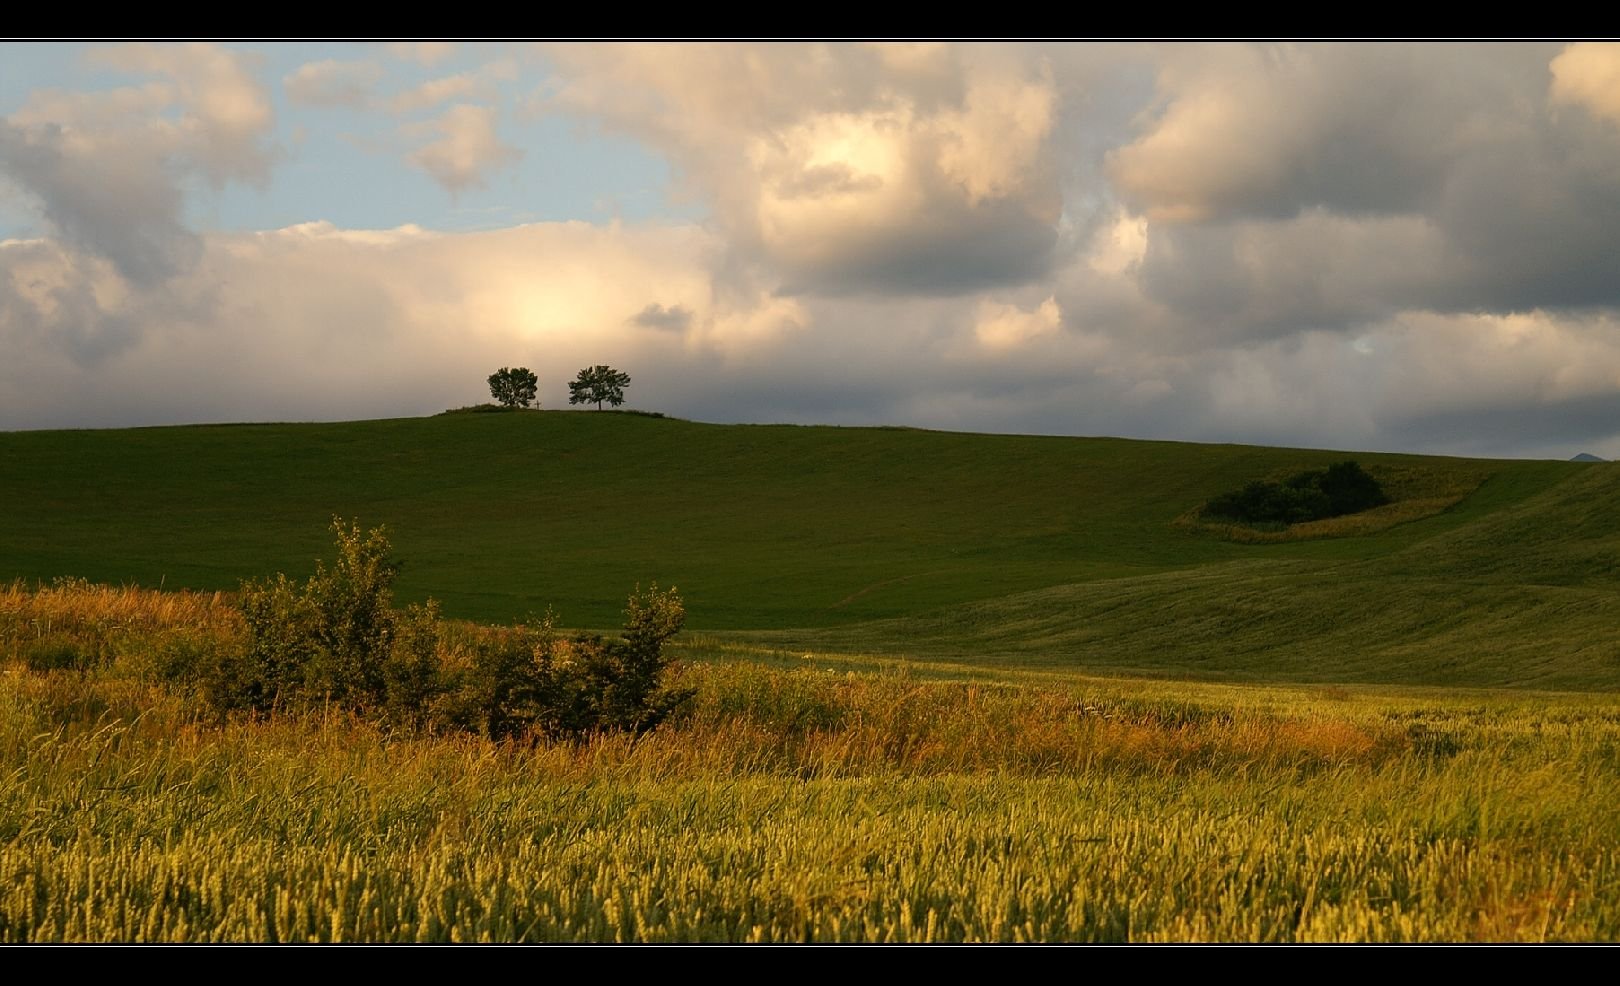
[836,800]
[762,526]
[1083,716]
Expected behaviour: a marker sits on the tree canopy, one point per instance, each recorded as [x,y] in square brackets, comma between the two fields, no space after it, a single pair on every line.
[1342,488]
[513,386]
[598,385]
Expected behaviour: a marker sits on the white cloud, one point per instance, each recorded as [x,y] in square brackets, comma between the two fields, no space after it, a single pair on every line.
[333,83]
[1268,130]
[466,147]
[435,91]
[319,322]
[477,84]
[994,145]
[225,113]
[296,323]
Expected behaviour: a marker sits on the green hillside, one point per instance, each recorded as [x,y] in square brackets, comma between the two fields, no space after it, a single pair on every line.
[1043,551]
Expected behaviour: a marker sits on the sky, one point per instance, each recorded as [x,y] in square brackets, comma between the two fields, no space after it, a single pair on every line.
[1408,247]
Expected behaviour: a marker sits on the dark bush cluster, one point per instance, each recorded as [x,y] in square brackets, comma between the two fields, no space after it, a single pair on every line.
[1342,488]
[337,639]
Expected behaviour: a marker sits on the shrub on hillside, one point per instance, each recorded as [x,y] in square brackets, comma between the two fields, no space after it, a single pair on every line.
[1350,489]
[1342,488]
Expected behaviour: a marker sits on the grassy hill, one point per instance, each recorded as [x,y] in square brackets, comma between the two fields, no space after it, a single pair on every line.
[1038,551]
[1011,773]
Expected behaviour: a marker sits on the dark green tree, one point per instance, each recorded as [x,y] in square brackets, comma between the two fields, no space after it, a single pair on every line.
[1342,488]
[513,386]
[598,385]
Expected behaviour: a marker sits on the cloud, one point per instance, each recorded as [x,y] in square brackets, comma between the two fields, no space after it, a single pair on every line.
[1268,131]
[845,168]
[1587,74]
[283,324]
[333,83]
[225,114]
[477,84]
[435,91]
[466,147]
[290,324]
[1387,246]
[105,169]
[1002,327]
[656,316]
[78,307]
[109,195]
[1290,188]
[427,53]
[330,82]
[1119,246]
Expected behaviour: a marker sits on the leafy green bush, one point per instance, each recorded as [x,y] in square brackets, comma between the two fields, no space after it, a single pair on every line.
[354,619]
[1350,489]
[412,676]
[528,677]
[1342,488]
[497,687]
[617,684]
[330,639]
[337,638]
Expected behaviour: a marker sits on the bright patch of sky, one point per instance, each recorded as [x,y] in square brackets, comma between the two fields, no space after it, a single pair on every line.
[346,164]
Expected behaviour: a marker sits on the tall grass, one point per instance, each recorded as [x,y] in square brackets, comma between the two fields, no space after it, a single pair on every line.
[75,606]
[812,804]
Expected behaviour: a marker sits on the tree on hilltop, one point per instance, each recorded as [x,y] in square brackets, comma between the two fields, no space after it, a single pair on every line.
[513,386]
[598,385]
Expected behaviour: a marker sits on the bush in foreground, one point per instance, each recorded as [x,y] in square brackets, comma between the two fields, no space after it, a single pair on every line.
[338,639]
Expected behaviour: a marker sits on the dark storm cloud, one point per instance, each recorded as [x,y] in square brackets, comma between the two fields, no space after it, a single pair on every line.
[1538,221]
[1555,430]
[1267,131]
[1306,187]
[949,255]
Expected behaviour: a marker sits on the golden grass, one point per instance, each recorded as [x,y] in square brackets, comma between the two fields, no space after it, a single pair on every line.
[812,805]
[101,621]
[70,605]
[799,803]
